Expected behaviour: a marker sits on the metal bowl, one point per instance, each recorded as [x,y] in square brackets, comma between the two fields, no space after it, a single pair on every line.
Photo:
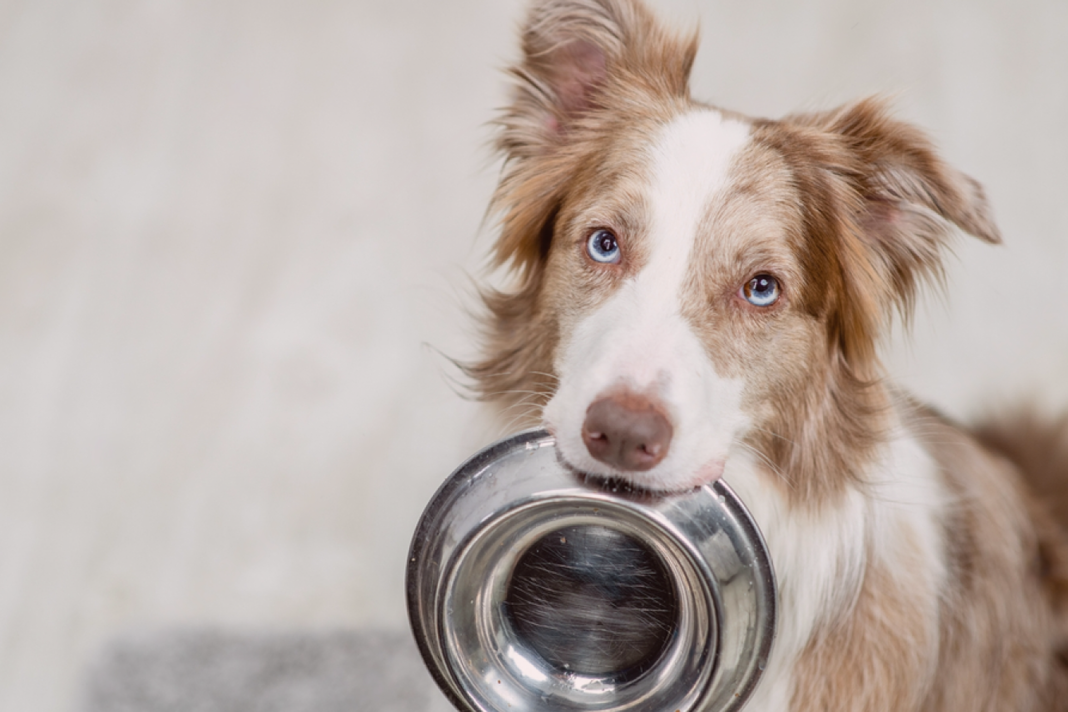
[531,587]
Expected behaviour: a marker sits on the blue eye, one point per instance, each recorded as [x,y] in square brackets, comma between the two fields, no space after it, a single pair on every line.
[603,247]
[761,291]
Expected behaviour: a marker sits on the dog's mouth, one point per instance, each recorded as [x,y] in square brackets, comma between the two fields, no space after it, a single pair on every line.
[614,484]
[621,486]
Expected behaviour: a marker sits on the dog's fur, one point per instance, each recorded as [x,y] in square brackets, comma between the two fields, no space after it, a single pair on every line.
[919,568]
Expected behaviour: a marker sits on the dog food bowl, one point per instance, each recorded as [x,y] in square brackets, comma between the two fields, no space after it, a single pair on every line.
[531,587]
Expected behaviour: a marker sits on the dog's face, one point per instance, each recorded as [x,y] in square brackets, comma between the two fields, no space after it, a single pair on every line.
[693,281]
[677,284]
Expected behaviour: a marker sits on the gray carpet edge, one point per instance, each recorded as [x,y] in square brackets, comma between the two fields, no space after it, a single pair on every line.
[209,669]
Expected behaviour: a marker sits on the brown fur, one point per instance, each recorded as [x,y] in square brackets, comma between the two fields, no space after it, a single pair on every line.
[1002,622]
[875,658]
[854,208]
[1039,447]
[999,639]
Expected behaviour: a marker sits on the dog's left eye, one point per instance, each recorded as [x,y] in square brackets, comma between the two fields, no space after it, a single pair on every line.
[761,291]
[603,247]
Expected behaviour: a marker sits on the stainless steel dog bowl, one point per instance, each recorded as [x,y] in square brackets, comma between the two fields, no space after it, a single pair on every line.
[531,588]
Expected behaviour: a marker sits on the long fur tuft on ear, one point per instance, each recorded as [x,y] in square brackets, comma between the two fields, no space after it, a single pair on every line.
[910,200]
[571,50]
[902,204]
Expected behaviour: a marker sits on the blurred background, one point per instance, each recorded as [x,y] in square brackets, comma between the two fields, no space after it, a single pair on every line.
[234,236]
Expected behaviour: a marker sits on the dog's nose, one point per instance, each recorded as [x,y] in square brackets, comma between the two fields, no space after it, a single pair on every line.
[627,431]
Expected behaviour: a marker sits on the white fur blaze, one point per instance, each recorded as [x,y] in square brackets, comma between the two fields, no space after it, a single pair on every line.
[639,340]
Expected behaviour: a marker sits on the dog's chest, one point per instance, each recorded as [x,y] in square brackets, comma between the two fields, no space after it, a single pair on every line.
[822,552]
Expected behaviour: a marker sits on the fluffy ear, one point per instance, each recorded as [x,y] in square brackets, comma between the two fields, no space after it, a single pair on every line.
[583,61]
[572,49]
[908,199]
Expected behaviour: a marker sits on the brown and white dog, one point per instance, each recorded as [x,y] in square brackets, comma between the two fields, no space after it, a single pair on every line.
[700,294]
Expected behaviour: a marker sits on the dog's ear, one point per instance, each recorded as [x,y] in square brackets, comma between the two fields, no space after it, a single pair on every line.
[909,200]
[580,57]
[572,51]
[892,206]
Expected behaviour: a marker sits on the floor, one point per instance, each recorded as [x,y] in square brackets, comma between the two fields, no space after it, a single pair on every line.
[235,240]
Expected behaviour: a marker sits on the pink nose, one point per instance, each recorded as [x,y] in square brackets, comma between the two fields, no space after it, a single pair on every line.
[627,431]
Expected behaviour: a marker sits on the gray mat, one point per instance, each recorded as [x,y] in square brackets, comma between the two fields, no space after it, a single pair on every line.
[225,671]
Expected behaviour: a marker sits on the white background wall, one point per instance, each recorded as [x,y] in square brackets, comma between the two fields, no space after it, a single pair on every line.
[227,229]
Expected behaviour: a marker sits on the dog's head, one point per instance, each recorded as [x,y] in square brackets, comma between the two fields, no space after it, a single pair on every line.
[689,280]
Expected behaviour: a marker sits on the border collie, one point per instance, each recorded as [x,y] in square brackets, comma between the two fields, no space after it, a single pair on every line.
[699,294]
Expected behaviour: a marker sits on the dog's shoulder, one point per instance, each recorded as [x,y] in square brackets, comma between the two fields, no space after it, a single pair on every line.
[1006,555]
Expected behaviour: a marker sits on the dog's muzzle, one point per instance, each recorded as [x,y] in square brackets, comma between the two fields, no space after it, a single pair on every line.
[530,588]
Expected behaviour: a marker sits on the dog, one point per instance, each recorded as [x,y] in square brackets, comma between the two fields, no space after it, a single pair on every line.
[699,294]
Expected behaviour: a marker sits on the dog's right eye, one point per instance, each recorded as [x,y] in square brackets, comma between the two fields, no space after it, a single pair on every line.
[761,291]
[603,247]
